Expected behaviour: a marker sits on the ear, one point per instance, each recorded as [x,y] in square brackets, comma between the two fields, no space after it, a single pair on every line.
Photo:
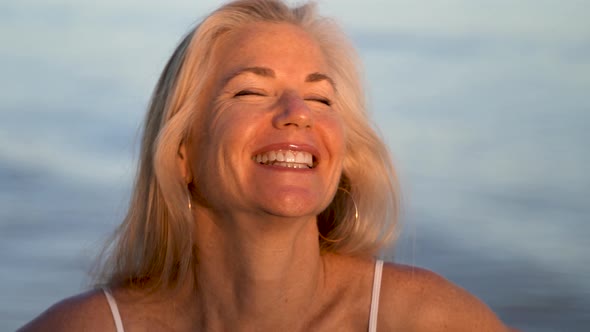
[184,166]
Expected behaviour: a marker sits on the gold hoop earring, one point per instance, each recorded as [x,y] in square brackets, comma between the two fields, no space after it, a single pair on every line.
[356,216]
[356,209]
[190,201]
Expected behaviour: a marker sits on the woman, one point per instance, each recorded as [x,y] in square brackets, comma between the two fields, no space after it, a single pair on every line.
[262,196]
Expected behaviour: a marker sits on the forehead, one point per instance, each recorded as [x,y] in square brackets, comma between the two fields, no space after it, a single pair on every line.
[282,47]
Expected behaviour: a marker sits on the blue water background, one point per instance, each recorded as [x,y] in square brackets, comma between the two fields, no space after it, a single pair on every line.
[485,109]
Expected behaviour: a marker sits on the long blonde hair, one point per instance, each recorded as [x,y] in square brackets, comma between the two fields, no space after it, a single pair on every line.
[153,247]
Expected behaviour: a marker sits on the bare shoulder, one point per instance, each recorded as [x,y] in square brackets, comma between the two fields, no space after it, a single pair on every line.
[415,299]
[88,311]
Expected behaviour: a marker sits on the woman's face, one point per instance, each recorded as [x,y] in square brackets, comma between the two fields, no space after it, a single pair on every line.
[274,141]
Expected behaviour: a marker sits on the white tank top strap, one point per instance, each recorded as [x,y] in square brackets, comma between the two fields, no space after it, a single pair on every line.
[375,296]
[114,309]
[372,315]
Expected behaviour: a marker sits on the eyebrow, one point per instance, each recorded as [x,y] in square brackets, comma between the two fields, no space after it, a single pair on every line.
[317,77]
[267,72]
[260,71]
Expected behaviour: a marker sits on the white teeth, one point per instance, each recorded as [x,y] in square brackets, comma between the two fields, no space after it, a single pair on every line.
[300,158]
[290,165]
[290,159]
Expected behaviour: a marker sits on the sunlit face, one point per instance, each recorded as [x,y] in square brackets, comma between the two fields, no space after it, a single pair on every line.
[274,142]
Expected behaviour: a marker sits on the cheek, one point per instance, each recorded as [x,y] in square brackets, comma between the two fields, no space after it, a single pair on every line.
[230,132]
[212,168]
[224,147]
[335,133]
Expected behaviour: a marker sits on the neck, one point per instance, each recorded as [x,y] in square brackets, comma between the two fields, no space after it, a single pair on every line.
[256,270]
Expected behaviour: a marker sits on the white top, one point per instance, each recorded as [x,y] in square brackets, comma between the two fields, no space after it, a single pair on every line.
[372,315]
[375,296]
[114,309]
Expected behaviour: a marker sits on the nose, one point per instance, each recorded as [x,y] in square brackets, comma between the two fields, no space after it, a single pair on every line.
[292,112]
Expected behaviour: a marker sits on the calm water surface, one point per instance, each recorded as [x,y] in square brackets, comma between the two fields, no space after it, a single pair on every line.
[489,130]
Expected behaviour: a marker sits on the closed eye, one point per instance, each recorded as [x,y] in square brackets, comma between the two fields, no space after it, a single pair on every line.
[248,93]
[324,101]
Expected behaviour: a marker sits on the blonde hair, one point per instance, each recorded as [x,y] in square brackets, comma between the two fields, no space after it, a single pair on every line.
[153,247]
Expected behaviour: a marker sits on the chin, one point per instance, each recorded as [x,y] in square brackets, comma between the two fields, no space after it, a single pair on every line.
[292,206]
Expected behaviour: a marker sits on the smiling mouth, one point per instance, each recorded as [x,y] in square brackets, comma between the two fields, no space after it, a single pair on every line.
[286,158]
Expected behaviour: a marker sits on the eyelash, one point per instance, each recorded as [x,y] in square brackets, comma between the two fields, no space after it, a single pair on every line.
[324,101]
[247,93]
